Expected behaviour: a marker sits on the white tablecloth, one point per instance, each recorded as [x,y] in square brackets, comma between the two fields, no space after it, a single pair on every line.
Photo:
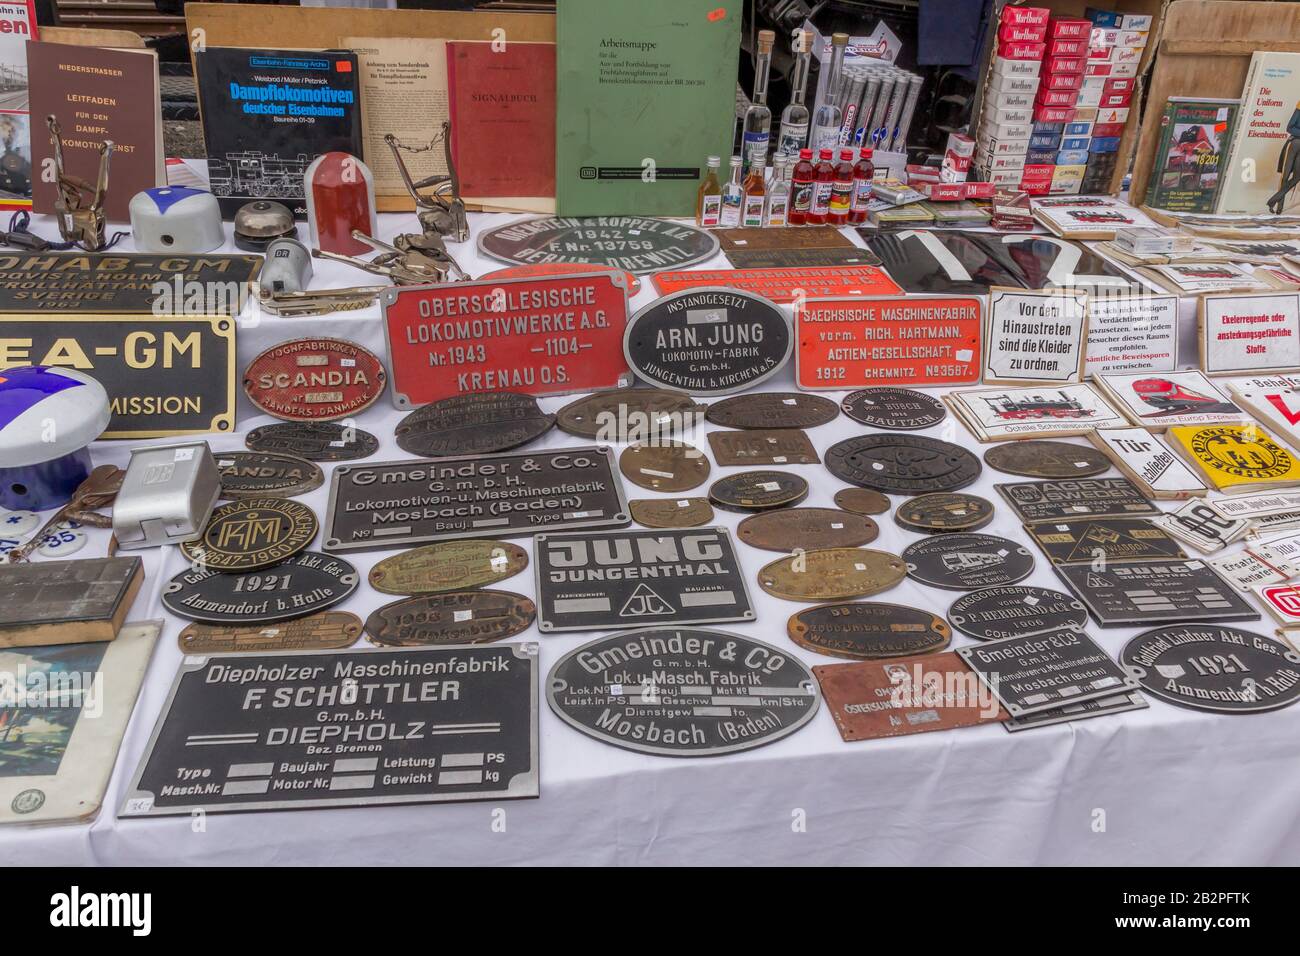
[1161,786]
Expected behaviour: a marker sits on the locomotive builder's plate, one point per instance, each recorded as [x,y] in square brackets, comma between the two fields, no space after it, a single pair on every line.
[637,244]
[1102,540]
[671,512]
[314,441]
[1015,610]
[330,629]
[304,584]
[773,410]
[762,446]
[1040,458]
[966,562]
[476,424]
[448,566]
[258,474]
[1155,592]
[315,380]
[862,501]
[806,529]
[899,409]
[865,630]
[667,466]
[758,491]
[253,533]
[902,464]
[630,414]
[455,617]
[1034,501]
[835,574]
[944,512]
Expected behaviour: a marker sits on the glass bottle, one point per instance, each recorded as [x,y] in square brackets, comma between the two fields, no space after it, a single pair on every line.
[801,189]
[751,211]
[708,202]
[823,183]
[828,118]
[732,196]
[842,190]
[793,134]
[864,173]
[758,118]
[778,197]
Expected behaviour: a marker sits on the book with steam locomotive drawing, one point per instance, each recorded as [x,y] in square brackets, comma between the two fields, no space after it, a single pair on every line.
[1037,411]
[1157,402]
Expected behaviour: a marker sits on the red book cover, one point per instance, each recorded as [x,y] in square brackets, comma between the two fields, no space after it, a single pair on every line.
[502,104]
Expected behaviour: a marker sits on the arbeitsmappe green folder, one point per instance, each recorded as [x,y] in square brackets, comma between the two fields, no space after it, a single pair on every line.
[646,91]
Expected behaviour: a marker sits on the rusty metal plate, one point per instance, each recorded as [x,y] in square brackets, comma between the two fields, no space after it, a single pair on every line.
[944,512]
[682,691]
[834,574]
[758,491]
[395,504]
[812,259]
[784,285]
[559,269]
[304,584]
[545,336]
[806,529]
[862,501]
[252,534]
[314,441]
[330,630]
[588,582]
[902,464]
[1034,501]
[864,630]
[457,617]
[773,410]
[477,424]
[257,474]
[671,512]
[448,566]
[898,409]
[317,380]
[638,244]
[763,446]
[1037,458]
[1102,540]
[906,695]
[1209,667]
[630,414]
[994,613]
[667,466]
[785,237]
[966,562]
[1034,673]
[711,341]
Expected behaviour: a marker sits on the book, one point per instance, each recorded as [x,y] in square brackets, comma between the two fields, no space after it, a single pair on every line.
[502,103]
[645,93]
[268,113]
[96,94]
[1263,166]
[17,26]
[1194,135]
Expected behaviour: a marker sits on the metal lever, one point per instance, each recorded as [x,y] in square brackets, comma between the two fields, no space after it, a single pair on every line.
[403,268]
[320,302]
[81,220]
[441,211]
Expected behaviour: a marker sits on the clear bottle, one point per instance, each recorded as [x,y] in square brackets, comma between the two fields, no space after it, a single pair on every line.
[828,118]
[864,173]
[823,183]
[801,188]
[793,134]
[708,202]
[778,196]
[733,195]
[751,210]
[842,190]
[758,118]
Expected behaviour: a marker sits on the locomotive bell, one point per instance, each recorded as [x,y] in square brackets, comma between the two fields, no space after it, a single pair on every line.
[176,219]
[257,223]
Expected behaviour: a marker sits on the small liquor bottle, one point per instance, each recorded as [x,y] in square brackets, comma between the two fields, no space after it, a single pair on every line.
[778,196]
[751,210]
[708,202]
[758,118]
[823,184]
[793,135]
[842,190]
[863,175]
[801,188]
[828,118]
[732,197]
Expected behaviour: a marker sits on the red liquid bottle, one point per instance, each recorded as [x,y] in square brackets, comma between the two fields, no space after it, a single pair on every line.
[823,183]
[864,173]
[842,190]
[801,189]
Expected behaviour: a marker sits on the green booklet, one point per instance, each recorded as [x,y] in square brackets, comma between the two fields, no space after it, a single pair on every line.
[1194,138]
[645,93]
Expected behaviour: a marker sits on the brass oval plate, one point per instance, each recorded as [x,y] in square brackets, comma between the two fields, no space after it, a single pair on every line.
[807,529]
[252,534]
[758,491]
[773,410]
[762,446]
[666,466]
[862,501]
[863,630]
[944,512]
[1046,459]
[458,617]
[671,512]
[835,574]
[476,424]
[314,441]
[259,474]
[328,631]
[318,380]
[630,414]
[448,566]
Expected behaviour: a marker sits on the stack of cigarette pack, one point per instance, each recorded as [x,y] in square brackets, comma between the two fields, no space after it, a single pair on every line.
[1002,141]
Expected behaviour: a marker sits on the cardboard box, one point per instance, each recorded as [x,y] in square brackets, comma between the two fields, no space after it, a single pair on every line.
[1063,64]
[1022,51]
[1025,16]
[1068,28]
[999,83]
[1058,97]
[1072,157]
[1067,47]
[1009,67]
[1021,33]
[1053,114]
[989,130]
[1061,81]
[1074,143]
